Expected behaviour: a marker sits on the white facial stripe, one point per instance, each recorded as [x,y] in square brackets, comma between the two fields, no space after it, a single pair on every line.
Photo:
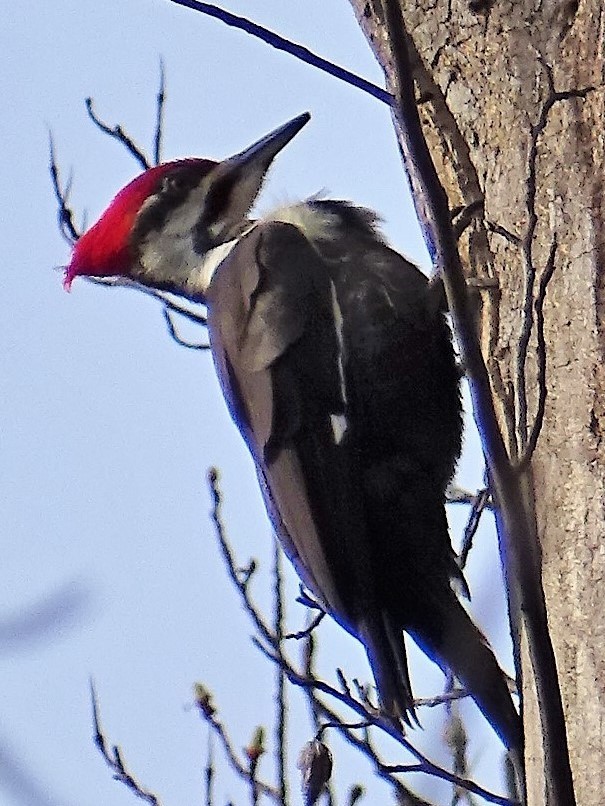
[199,280]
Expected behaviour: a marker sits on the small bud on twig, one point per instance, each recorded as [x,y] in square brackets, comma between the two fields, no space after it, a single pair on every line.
[203,699]
[257,746]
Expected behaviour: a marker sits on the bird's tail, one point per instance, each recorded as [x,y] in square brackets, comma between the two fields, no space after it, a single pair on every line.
[385,648]
[461,647]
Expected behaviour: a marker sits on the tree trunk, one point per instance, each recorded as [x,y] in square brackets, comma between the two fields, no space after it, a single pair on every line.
[511,101]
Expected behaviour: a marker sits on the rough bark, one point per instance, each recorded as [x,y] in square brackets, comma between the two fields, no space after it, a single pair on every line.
[511,100]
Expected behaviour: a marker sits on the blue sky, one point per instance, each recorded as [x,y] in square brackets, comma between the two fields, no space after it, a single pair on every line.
[107,427]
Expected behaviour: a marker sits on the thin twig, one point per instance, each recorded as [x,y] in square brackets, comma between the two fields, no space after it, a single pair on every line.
[163,296]
[280,694]
[385,724]
[159,119]
[472,524]
[298,51]
[365,747]
[229,559]
[172,331]
[118,133]
[65,215]
[113,757]
[458,495]
[309,648]
[242,769]
[209,776]
[315,622]
[451,695]
[457,739]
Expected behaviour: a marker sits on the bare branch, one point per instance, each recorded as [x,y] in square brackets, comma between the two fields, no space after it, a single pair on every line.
[308,658]
[280,694]
[246,771]
[458,495]
[167,313]
[254,751]
[448,696]
[308,630]
[229,559]
[209,772]
[306,680]
[479,504]
[117,133]
[159,120]
[163,296]
[384,723]
[365,747]
[456,738]
[65,216]
[305,599]
[113,757]
[298,51]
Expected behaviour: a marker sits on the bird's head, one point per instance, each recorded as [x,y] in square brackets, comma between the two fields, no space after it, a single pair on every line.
[160,229]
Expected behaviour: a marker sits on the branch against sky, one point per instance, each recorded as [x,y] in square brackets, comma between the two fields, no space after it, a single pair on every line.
[269,644]
[279,42]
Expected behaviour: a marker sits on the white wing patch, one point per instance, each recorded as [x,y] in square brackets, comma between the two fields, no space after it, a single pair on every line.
[339,421]
[339,426]
[338,328]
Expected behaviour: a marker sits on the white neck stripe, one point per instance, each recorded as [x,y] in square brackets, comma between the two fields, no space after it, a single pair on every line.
[200,279]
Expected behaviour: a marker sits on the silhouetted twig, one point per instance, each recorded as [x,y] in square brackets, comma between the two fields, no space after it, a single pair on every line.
[386,725]
[118,133]
[280,693]
[65,216]
[159,117]
[246,771]
[172,331]
[480,503]
[113,757]
[209,772]
[279,42]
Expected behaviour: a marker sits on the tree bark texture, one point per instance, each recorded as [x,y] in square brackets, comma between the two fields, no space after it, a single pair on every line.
[511,100]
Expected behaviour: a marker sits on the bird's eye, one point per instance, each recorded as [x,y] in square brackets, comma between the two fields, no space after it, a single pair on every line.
[171,184]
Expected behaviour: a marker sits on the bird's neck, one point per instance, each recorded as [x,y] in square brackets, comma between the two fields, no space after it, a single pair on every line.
[315,223]
[198,281]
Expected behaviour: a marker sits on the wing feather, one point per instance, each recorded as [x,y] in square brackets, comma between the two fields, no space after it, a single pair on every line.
[276,352]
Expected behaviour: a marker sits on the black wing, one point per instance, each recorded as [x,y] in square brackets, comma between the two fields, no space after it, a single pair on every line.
[274,327]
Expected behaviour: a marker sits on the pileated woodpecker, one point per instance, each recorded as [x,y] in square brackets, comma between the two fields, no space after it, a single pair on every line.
[336,362]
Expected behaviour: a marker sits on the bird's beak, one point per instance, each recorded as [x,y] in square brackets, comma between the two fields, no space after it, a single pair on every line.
[264,151]
[236,182]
